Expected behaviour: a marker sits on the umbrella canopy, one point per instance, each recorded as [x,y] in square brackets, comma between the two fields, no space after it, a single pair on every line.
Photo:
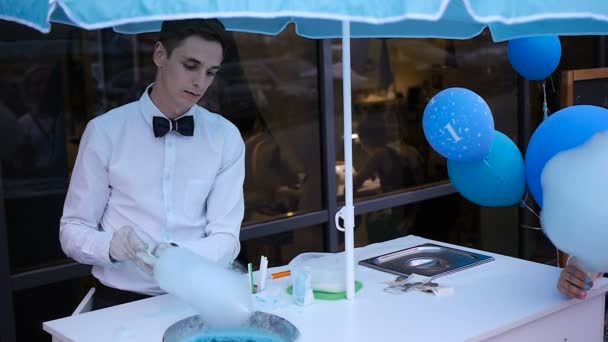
[457,19]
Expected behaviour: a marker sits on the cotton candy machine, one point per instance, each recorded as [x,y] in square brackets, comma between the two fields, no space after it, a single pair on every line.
[262,327]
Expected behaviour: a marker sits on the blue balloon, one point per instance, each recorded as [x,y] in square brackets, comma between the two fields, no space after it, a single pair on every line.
[459,125]
[535,58]
[497,181]
[566,129]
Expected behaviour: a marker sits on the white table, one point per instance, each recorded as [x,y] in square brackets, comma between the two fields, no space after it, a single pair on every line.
[507,299]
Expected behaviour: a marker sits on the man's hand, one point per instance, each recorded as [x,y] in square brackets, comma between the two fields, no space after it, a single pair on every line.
[126,244]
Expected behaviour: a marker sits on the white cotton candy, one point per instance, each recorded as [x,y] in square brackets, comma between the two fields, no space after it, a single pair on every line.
[221,296]
[575,202]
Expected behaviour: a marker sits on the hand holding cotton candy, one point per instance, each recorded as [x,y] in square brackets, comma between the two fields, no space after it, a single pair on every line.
[575,202]
[221,296]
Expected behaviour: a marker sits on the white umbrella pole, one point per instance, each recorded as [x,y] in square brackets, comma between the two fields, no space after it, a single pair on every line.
[349,209]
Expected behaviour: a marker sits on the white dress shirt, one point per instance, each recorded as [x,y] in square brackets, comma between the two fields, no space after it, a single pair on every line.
[182,189]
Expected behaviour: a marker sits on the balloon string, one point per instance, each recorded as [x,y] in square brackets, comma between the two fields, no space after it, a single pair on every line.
[522,202]
[494,171]
[531,227]
[545,107]
[525,205]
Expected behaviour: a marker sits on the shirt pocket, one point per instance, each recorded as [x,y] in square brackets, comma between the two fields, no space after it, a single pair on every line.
[196,195]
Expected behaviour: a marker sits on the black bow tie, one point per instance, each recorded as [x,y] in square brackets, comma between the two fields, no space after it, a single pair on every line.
[162,126]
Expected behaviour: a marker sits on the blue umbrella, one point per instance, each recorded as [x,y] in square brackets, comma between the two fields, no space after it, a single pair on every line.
[459,19]
[506,19]
[509,19]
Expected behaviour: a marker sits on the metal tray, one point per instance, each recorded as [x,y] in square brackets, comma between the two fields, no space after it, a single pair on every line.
[429,260]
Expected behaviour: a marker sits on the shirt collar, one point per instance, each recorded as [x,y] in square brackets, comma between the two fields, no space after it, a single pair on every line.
[149,110]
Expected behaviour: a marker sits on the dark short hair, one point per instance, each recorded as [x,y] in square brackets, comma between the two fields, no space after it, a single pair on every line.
[173,32]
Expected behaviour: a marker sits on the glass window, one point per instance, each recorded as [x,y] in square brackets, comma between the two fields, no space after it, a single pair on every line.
[37,305]
[451,219]
[281,248]
[458,222]
[270,90]
[53,84]
[418,69]
[267,87]
[393,80]
[41,90]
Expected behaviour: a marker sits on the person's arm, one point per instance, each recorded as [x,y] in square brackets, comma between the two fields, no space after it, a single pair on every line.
[225,206]
[86,201]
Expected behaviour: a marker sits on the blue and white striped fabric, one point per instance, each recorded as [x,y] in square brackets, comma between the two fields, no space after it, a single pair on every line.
[508,19]
[458,19]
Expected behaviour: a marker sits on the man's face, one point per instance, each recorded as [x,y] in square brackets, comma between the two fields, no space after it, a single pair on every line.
[187,73]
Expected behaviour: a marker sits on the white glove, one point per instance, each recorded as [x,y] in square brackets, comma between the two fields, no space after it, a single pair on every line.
[160,247]
[146,260]
[126,244]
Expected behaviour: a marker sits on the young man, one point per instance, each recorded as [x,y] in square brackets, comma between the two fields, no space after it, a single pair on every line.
[157,172]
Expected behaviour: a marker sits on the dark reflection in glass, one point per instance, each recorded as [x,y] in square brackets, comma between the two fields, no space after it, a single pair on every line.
[34,106]
[268,88]
[395,167]
[40,137]
[37,305]
[281,248]
[455,220]
[54,84]
[393,80]
[449,219]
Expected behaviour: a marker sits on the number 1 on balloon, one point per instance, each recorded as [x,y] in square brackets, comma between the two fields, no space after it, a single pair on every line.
[453,133]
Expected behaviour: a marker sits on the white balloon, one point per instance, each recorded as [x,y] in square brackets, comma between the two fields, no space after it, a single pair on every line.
[575,202]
